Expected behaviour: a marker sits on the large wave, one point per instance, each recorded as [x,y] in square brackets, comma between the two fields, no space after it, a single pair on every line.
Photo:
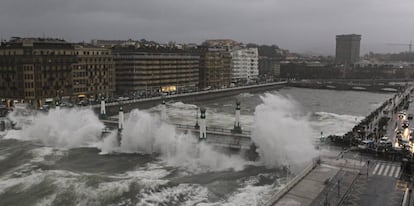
[282,132]
[64,128]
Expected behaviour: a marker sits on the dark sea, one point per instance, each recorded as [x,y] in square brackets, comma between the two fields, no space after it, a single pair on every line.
[59,158]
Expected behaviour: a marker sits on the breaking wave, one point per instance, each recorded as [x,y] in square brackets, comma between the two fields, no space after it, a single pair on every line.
[64,128]
[145,133]
[282,132]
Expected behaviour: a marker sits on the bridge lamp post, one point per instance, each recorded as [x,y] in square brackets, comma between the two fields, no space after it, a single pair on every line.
[120,124]
[203,127]
[237,127]
[102,114]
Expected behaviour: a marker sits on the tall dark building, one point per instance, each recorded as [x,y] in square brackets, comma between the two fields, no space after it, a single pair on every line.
[215,67]
[154,70]
[347,48]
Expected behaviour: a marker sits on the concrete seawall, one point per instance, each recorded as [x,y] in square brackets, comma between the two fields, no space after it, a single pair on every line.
[112,108]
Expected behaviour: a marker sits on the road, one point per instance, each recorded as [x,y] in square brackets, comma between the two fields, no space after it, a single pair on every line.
[381,186]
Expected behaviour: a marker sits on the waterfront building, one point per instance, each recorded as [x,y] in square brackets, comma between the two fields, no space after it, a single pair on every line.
[215,67]
[347,48]
[94,72]
[36,70]
[43,71]
[141,70]
[244,65]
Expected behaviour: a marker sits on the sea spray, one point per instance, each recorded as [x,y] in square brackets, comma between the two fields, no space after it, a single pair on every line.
[64,128]
[282,132]
[145,133]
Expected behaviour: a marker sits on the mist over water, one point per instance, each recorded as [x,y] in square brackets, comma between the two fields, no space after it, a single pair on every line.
[282,132]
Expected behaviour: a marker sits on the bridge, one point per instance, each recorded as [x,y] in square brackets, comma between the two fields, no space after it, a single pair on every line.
[236,138]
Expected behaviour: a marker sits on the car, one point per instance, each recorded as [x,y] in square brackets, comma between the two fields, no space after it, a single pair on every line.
[366,144]
[402,115]
[385,141]
[405,124]
[405,144]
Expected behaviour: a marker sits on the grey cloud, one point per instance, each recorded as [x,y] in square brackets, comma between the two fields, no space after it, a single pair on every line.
[293,24]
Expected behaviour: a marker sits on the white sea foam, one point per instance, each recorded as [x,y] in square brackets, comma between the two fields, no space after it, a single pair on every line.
[183,194]
[249,194]
[46,201]
[2,134]
[23,182]
[245,95]
[66,181]
[3,157]
[65,128]
[145,133]
[182,105]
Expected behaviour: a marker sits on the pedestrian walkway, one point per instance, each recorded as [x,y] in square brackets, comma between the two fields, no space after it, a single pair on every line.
[387,169]
[327,183]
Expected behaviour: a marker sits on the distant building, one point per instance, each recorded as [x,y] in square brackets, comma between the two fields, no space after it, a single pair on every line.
[111,43]
[215,67]
[94,72]
[347,48]
[154,71]
[244,65]
[221,43]
[269,67]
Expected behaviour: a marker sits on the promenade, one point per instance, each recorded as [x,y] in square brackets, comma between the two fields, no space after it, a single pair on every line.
[326,183]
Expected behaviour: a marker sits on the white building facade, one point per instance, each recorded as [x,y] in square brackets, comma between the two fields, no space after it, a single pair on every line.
[245,65]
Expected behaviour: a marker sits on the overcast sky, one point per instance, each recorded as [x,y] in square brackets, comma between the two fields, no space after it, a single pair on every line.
[297,25]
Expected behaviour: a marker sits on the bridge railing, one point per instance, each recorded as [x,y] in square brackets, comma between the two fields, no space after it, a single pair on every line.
[212,129]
